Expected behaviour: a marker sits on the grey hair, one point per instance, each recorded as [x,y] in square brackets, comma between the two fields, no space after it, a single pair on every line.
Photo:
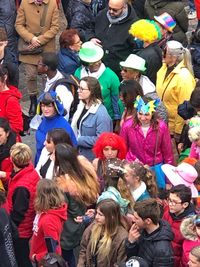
[194,133]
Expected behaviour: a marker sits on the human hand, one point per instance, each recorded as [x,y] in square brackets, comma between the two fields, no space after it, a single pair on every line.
[96,41]
[134,233]
[2,174]
[78,219]
[90,212]
[180,147]
[35,42]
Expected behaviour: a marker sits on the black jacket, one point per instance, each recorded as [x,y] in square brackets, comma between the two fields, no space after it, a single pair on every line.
[153,56]
[7,255]
[116,41]
[79,16]
[155,248]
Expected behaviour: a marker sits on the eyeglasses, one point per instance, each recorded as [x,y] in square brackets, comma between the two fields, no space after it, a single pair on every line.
[78,42]
[115,10]
[172,202]
[81,89]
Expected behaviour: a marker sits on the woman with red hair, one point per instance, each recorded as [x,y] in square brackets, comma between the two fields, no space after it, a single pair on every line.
[108,146]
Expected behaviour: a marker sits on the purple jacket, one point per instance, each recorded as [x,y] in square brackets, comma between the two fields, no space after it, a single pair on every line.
[142,148]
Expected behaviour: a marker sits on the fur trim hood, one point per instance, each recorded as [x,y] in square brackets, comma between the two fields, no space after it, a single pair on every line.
[187,229]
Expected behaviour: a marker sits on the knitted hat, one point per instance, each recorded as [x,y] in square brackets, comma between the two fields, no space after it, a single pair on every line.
[51,97]
[90,52]
[134,62]
[166,21]
[3,35]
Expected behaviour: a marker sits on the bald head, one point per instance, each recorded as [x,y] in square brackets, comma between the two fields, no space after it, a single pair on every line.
[116,7]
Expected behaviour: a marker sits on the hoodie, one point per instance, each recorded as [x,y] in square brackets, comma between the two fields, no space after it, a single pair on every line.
[191,239]
[47,224]
[155,248]
[10,108]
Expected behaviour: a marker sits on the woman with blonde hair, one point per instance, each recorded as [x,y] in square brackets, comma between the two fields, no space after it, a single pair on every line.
[175,83]
[47,226]
[140,180]
[76,176]
[103,242]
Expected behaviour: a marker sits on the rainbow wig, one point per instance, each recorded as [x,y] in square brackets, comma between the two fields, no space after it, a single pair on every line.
[113,140]
[145,30]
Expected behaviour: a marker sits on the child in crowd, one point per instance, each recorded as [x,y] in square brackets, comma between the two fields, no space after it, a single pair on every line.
[149,237]
[190,229]
[107,146]
[103,242]
[7,233]
[141,181]
[179,207]
[194,257]
[194,136]
[114,185]
[47,226]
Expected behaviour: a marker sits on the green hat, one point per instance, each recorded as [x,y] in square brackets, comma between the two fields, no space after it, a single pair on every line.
[90,52]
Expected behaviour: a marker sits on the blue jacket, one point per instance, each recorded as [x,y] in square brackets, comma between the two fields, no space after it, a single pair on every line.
[93,123]
[68,61]
[48,124]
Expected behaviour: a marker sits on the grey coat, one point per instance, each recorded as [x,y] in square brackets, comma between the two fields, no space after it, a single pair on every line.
[93,123]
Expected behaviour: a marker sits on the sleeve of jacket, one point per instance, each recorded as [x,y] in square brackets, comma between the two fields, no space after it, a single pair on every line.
[114,92]
[131,248]
[83,247]
[182,20]
[193,153]
[166,145]
[20,25]
[186,85]
[14,118]
[54,28]
[164,255]
[124,134]
[103,124]
[121,253]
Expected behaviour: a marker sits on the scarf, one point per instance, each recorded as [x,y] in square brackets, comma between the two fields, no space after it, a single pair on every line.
[115,20]
[85,72]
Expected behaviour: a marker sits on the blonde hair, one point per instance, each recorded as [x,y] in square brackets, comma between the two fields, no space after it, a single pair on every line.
[20,154]
[194,133]
[48,196]
[101,235]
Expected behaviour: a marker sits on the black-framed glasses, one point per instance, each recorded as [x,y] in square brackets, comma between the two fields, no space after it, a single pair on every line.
[81,89]
[126,69]
[173,202]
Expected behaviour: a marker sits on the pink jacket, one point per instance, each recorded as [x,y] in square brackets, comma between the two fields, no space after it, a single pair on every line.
[142,148]
[195,151]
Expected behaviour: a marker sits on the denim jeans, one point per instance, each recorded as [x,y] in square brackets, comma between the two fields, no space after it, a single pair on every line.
[192,5]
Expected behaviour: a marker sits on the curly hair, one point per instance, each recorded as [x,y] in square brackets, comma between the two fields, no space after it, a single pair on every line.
[145,30]
[110,139]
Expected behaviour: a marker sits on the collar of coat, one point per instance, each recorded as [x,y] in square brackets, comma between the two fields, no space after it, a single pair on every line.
[178,68]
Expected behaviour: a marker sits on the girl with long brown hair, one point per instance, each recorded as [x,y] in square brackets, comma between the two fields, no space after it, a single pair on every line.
[103,242]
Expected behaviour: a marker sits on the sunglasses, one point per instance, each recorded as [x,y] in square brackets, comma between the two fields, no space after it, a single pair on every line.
[126,69]
[115,10]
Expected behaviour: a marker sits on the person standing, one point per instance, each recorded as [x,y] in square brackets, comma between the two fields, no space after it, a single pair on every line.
[31,18]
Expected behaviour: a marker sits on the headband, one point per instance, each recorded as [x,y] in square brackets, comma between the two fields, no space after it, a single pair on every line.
[149,107]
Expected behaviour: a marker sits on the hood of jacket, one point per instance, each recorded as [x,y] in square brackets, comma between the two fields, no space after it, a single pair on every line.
[187,229]
[164,232]
[60,212]
[13,91]
[189,211]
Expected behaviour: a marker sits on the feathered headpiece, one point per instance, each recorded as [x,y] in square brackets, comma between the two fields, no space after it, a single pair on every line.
[149,107]
[145,30]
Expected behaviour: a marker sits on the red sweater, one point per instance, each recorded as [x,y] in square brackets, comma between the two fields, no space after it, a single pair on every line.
[47,224]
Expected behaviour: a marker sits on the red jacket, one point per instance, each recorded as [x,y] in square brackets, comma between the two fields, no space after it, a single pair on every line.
[47,224]
[10,108]
[26,178]
[175,222]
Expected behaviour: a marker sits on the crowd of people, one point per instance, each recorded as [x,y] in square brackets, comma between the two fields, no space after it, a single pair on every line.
[115,180]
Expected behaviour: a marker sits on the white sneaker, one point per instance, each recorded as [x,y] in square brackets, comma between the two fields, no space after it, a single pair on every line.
[192,15]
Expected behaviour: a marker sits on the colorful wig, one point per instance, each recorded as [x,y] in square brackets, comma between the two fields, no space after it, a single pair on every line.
[145,30]
[110,139]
